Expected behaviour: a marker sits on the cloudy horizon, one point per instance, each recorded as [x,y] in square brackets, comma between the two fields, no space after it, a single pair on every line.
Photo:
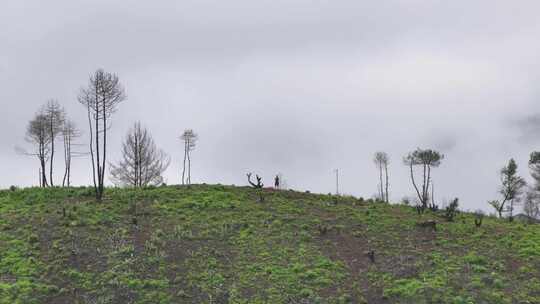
[294,87]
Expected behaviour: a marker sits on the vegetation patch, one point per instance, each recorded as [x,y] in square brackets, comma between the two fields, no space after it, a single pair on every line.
[221,244]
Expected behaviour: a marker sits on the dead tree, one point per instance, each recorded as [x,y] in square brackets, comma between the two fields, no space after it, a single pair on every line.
[39,137]
[189,137]
[69,134]
[55,118]
[101,98]
[258,185]
[386,178]
[381,161]
[142,163]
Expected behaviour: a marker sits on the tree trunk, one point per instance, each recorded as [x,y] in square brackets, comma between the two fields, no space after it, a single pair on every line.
[184,167]
[386,181]
[98,164]
[51,163]
[432,194]
[424,191]
[428,183]
[92,149]
[414,183]
[43,173]
[102,180]
[43,165]
[51,133]
[66,156]
[138,159]
[381,182]
[189,168]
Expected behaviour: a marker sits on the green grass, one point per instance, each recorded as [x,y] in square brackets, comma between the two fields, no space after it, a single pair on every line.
[219,244]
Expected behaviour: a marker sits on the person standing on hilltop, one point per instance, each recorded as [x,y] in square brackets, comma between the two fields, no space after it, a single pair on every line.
[276,182]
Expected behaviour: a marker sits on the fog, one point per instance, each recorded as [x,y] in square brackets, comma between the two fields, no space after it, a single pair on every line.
[295,87]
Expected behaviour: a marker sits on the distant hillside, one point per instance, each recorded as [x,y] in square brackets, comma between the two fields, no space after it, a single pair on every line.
[220,244]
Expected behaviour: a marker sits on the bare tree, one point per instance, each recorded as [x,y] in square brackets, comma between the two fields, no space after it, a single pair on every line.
[142,162]
[101,99]
[189,137]
[69,134]
[510,189]
[258,185]
[55,118]
[38,135]
[381,160]
[427,159]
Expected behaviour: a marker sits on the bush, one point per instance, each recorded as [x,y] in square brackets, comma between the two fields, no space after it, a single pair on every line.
[451,210]
[478,217]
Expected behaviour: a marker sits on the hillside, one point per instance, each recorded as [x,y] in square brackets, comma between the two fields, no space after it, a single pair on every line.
[219,244]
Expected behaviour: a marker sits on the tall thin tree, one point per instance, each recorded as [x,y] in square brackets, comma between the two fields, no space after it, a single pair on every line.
[189,137]
[381,160]
[55,118]
[101,98]
[70,133]
[386,178]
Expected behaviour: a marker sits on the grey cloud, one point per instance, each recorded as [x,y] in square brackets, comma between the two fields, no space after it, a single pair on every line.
[528,127]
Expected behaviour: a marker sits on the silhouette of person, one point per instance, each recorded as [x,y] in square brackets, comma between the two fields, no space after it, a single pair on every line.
[276,182]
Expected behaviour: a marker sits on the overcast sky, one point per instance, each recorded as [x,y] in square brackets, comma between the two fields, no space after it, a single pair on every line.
[293,86]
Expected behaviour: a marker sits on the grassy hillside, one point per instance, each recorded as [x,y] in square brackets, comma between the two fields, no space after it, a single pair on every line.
[219,244]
